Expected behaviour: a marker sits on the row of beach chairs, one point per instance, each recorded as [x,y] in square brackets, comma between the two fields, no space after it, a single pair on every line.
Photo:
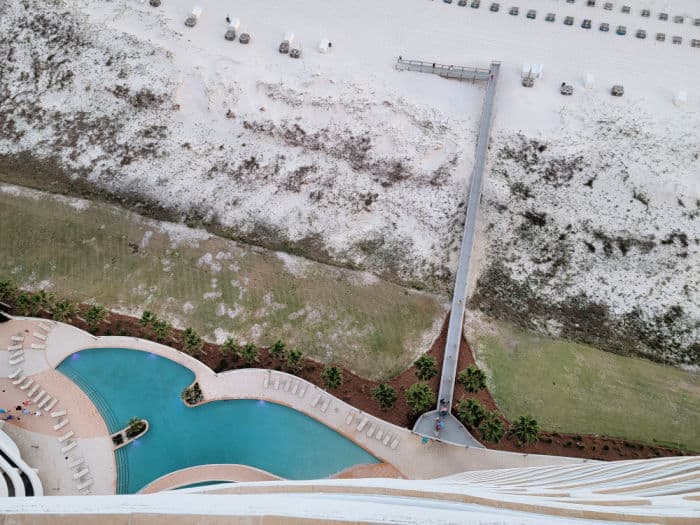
[287,384]
[374,429]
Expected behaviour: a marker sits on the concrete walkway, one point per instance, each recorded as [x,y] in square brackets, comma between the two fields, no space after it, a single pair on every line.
[452,429]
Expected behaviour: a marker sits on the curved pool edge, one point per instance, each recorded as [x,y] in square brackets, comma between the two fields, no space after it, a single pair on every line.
[228,472]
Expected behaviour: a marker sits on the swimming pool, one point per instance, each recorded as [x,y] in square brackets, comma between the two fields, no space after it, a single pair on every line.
[125,383]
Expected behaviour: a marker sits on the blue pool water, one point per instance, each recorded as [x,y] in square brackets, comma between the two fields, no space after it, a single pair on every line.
[125,383]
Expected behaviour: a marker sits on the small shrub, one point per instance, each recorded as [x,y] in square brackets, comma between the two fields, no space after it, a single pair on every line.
[161,329]
[95,315]
[472,379]
[147,317]
[492,428]
[426,368]
[420,397]
[8,290]
[136,426]
[277,350]
[332,377]
[192,394]
[231,348]
[63,310]
[191,342]
[525,429]
[293,360]
[386,395]
[249,354]
[471,412]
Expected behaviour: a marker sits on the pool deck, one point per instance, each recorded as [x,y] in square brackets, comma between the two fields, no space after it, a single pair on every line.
[403,449]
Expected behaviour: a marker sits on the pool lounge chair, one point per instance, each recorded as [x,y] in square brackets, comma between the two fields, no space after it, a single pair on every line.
[62,423]
[33,390]
[85,484]
[59,413]
[394,444]
[14,374]
[70,446]
[316,400]
[371,430]
[302,392]
[80,474]
[277,383]
[66,436]
[76,462]
[348,419]
[39,336]
[362,424]
[379,434]
[295,388]
[16,360]
[17,338]
[27,384]
[324,405]
[44,401]
[51,404]
[44,327]
[38,346]
[13,348]
[287,385]
[386,439]
[266,381]
[16,353]
[19,379]
[38,396]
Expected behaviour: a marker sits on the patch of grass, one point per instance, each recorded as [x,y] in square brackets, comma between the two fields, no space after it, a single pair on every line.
[571,387]
[123,261]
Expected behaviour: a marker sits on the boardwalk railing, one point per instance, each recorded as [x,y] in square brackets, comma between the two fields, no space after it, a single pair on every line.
[444,70]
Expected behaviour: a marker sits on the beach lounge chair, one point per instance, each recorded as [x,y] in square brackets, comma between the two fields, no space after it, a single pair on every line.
[38,346]
[17,338]
[33,390]
[44,327]
[66,436]
[266,381]
[362,424]
[324,405]
[39,336]
[76,462]
[70,446]
[80,474]
[394,444]
[371,430]
[59,413]
[386,439]
[62,423]
[51,404]
[16,360]
[85,484]
[14,374]
[38,396]
[27,384]
[19,379]
[315,401]
[13,348]
[348,419]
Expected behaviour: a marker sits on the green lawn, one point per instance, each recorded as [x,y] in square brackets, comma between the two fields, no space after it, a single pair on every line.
[124,261]
[571,387]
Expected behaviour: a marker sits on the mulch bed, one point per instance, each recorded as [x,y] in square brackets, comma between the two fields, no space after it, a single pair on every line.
[357,391]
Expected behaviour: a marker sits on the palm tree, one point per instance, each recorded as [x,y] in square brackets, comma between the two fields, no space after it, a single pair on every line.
[63,310]
[161,329]
[332,377]
[420,397]
[249,354]
[525,429]
[386,395]
[95,315]
[293,360]
[472,379]
[426,368]
[191,342]
[277,349]
[471,412]
[230,347]
[492,428]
